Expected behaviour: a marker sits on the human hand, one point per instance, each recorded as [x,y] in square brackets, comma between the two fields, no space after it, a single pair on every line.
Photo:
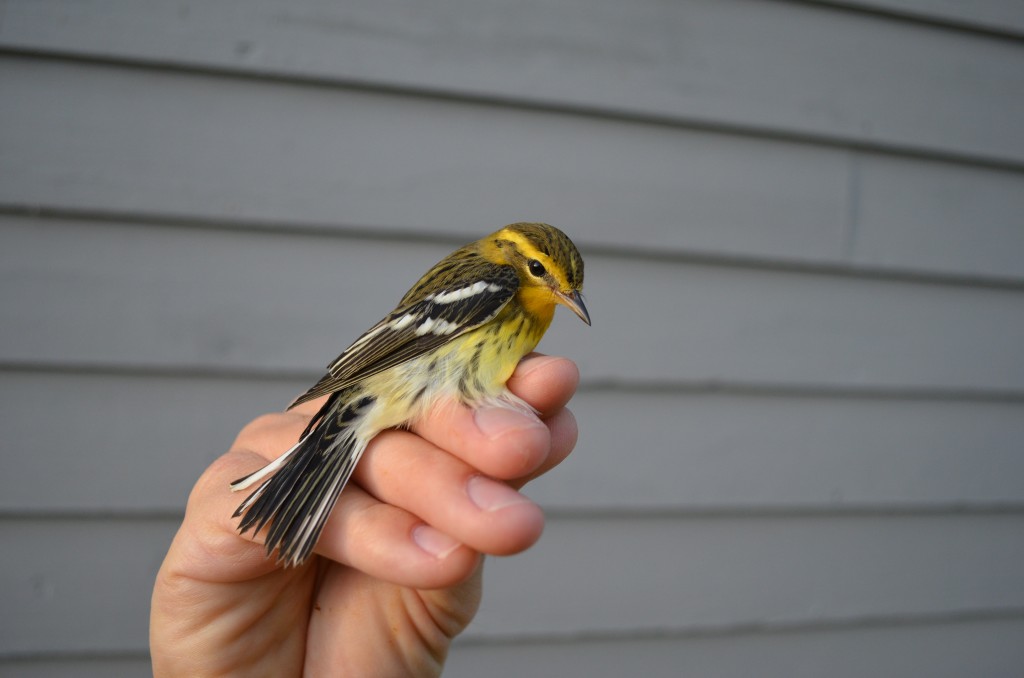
[396,574]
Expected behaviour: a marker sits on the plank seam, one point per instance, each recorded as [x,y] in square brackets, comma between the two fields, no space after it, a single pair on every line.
[952,617]
[853,511]
[910,17]
[620,513]
[636,387]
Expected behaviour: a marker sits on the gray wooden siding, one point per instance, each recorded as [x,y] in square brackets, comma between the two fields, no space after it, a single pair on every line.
[803,220]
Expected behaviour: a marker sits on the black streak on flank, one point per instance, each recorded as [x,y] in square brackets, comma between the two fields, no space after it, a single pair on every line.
[353,410]
[418,395]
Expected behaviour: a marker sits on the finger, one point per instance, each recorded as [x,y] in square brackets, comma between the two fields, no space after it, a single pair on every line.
[384,541]
[404,470]
[500,441]
[393,545]
[546,382]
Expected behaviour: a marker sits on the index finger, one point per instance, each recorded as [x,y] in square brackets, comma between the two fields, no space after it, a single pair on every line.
[500,441]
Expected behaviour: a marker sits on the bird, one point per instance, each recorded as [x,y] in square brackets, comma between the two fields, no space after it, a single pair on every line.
[457,334]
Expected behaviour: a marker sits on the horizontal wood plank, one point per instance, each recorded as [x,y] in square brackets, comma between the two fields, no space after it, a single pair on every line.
[673,574]
[585,576]
[980,647]
[215,299]
[936,216]
[87,666]
[106,443]
[120,443]
[70,573]
[697,451]
[849,76]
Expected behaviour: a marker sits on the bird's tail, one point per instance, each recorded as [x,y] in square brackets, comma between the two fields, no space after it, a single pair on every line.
[304,482]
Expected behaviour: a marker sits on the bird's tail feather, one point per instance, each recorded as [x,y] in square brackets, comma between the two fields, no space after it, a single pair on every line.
[297,499]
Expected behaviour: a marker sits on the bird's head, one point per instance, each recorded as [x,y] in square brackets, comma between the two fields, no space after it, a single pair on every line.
[550,267]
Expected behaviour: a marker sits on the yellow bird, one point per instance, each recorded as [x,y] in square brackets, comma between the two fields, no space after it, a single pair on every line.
[457,334]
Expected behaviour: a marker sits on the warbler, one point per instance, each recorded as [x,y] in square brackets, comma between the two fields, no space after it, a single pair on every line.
[457,334]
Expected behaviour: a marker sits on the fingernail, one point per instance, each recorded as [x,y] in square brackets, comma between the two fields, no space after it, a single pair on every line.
[495,422]
[490,495]
[434,542]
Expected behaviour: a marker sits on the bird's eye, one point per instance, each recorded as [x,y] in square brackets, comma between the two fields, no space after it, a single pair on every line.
[536,268]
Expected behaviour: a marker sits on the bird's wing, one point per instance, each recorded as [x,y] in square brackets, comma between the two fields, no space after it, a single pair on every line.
[420,326]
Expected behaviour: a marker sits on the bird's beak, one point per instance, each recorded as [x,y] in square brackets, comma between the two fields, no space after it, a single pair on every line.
[574,302]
